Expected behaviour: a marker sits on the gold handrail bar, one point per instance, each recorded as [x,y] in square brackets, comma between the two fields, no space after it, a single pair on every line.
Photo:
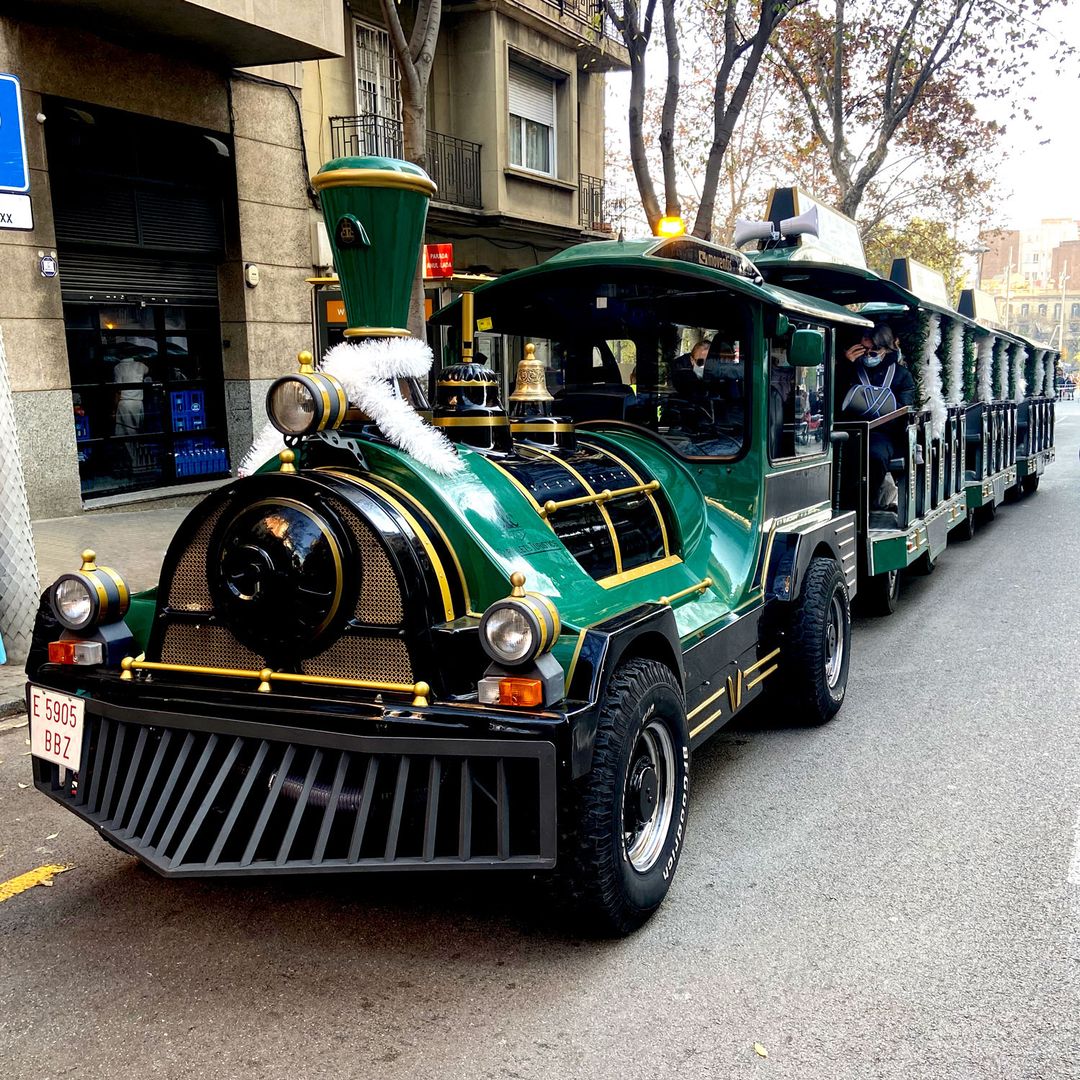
[420,690]
[554,505]
[701,586]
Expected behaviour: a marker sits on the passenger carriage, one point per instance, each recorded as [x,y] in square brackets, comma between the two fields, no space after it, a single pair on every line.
[983,425]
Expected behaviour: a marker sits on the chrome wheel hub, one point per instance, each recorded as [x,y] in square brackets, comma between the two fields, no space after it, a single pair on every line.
[834,641]
[649,797]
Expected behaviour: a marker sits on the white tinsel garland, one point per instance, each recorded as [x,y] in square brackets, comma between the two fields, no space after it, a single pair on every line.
[954,388]
[1001,391]
[1019,380]
[1049,386]
[983,364]
[1040,369]
[366,371]
[930,376]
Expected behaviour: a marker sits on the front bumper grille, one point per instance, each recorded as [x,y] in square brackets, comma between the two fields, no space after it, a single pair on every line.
[228,801]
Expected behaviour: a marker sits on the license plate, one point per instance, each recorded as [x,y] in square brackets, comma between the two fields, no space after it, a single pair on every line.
[56,727]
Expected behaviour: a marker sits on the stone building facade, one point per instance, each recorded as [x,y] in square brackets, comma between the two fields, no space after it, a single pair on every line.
[159,175]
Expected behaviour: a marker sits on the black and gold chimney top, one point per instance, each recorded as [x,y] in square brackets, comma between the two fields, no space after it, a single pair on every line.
[531,406]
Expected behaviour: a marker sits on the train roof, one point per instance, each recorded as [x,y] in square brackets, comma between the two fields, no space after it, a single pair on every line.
[681,256]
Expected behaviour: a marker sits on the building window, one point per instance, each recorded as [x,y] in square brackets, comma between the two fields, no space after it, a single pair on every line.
[378,93]
[532,120]
[1057,311]
[1042,309]
[1023,309]
[1075,310]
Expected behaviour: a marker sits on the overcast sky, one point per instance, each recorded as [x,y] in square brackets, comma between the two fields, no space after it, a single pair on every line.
[1042,168]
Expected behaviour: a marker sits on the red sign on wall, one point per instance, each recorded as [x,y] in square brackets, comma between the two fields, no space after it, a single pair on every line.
[438,260]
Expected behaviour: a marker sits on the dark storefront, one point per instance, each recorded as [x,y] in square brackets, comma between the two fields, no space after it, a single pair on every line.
[139,209]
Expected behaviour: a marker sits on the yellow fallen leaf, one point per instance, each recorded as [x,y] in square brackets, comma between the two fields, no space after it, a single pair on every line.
[760,1050]
[43,875]
[24,785]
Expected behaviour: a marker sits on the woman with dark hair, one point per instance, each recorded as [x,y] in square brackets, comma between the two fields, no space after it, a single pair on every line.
[878,385]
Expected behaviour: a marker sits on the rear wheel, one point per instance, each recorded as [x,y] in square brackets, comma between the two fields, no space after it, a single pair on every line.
[966,529]
[817,651]
[623,832]
[881,593]
[1030,484]
[925,564]
[988,512]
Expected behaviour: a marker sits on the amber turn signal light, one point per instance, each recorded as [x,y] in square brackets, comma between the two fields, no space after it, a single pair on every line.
[521,692]
[76,652]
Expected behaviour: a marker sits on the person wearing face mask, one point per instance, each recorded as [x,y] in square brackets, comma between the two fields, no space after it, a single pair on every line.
[878,384]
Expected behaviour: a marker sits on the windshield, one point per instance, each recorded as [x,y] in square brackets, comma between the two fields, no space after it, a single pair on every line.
[664,352]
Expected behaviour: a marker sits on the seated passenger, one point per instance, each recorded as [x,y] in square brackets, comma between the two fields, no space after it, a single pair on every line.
[878,384]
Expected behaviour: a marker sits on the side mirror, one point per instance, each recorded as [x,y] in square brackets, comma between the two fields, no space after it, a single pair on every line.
[807,349]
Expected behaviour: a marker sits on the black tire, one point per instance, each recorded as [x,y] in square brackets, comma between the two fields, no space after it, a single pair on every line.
[1030,484]
[1013,494]
[817,646]
[596,869]
[924,565]
[881,593]
[966,529]
[987,512]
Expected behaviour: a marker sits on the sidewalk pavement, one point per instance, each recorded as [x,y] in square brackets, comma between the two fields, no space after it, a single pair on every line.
[132,543]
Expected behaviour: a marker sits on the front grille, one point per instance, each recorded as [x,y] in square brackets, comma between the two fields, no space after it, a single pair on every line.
[382,659]
[380,594]
[350,657]
[189,589]
[192,802]
[207,646]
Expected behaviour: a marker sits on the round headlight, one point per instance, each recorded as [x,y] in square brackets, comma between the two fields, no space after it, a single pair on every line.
[74,603]
[517,629]
[300,404]
[510,634]
[291,407]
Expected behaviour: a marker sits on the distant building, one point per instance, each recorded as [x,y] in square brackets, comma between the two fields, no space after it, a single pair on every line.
[1034,275]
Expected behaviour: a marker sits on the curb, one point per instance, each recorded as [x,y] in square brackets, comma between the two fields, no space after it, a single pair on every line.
[10,706]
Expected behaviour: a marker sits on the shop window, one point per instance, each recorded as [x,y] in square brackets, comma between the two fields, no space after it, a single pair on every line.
[146,390]
[532,120]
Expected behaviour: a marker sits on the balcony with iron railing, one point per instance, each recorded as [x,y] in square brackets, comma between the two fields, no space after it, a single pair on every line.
[591,193]
[454,164]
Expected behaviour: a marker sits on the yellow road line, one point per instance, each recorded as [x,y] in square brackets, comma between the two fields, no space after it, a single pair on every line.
[43,875]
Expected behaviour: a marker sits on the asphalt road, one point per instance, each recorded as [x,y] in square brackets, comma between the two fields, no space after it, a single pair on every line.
[888,896]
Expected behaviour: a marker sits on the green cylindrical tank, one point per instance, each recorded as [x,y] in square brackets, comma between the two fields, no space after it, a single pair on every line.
[375,209]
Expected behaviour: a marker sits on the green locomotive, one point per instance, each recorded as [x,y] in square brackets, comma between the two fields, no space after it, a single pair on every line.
[475,634]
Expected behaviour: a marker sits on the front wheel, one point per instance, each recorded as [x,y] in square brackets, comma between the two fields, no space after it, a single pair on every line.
[626,819]
[817,650]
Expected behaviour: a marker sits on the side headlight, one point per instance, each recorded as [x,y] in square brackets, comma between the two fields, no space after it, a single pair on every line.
[90,596]
[516,630]
[304,403]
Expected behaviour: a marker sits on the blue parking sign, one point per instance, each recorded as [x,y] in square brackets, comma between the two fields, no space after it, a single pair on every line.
[14,172]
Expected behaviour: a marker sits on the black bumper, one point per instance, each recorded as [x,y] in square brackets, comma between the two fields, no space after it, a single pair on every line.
[193,795]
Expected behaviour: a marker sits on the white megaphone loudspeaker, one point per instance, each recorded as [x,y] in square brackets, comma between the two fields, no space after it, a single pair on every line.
[804,224]
[745,231]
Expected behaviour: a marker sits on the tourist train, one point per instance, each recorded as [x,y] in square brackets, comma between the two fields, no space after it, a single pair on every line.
[476,633]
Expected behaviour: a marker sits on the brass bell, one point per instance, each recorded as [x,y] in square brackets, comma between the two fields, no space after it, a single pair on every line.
[530,387]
